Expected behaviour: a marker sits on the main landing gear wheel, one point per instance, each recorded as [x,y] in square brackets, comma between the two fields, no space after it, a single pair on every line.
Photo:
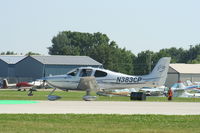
[88,97]
[88,84]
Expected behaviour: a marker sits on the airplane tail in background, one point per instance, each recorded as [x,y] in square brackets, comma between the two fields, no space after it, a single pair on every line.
[5,83]
[159,73]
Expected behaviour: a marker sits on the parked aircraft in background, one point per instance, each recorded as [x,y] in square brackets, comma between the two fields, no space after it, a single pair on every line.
[149,91]
[116,92]
[180,90]
[152,91]
[4,84]
[32,84]
[88,77]
[23,85]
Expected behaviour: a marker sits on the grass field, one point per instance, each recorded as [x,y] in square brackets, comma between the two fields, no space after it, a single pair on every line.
[72,123]
[86,123]
[77,96]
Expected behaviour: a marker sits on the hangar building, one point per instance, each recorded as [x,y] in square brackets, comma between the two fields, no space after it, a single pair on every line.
[28,68]
[183,72]
[7,65]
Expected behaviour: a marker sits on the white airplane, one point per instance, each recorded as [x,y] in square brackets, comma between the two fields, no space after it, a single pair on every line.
[152,91]
[88,77]
[116,92]
[180,90]
[4,84]
[23,85]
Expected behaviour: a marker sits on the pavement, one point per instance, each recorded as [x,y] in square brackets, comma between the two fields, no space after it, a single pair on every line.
[103,107]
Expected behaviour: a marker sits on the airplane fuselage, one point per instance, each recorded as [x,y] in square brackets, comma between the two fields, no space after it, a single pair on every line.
[88,78]
[104,78]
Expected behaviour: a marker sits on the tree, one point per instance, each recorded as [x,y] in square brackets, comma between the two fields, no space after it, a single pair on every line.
[177,55]
[195,61]
[8,53]
[97,45]
[32,53]
[143,62]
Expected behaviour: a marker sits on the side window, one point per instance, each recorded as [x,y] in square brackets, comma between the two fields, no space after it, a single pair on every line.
[85,72]
[100,74]
[73,73]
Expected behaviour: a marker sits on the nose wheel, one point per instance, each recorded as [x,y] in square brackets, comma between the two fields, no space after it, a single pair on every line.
[53,97]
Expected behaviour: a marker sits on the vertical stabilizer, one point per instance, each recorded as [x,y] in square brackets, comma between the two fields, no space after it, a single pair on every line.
[5,83]
[159,73]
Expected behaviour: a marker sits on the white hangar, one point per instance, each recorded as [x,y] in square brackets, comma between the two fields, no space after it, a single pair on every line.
[183,72]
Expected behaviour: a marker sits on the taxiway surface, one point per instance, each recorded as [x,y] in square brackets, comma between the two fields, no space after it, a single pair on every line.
[99,107]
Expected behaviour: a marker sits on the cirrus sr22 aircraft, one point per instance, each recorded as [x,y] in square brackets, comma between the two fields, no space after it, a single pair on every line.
[87,78]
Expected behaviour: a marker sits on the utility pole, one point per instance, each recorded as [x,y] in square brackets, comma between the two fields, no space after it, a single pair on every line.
[190,53]
[149,62]
[44,71]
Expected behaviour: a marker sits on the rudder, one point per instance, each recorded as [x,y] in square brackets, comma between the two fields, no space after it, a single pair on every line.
[159,73]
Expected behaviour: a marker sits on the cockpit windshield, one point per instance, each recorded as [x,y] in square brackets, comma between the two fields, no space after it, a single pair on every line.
[73,72]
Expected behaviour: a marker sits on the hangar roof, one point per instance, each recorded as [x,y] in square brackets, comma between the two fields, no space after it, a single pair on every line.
[186,68]
[11,59]
[66,60]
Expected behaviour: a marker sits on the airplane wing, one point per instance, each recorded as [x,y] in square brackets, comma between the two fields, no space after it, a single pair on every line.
[179,93]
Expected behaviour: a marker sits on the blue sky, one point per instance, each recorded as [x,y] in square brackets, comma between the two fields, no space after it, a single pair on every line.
[138,25]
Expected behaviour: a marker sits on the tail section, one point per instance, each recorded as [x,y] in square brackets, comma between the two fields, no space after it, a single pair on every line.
[5,83]
[159,73]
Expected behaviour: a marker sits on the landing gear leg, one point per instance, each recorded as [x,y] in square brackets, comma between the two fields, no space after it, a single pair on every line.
[18,89]
[30,92]
[53,97]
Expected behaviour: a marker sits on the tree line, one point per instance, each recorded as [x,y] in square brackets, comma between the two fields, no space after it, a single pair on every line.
[13,53]
[99,47]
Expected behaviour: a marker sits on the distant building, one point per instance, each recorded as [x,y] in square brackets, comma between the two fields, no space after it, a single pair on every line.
[7,65]
[183,72]
[27,68]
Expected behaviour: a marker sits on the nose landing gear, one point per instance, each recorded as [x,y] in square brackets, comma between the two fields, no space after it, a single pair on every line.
[53,97]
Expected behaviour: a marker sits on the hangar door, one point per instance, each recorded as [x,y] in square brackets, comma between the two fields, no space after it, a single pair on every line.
[171,79]
[191,77]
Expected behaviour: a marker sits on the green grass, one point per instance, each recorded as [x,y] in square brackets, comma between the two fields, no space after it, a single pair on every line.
[77,96]
[82,123]
[86,123]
